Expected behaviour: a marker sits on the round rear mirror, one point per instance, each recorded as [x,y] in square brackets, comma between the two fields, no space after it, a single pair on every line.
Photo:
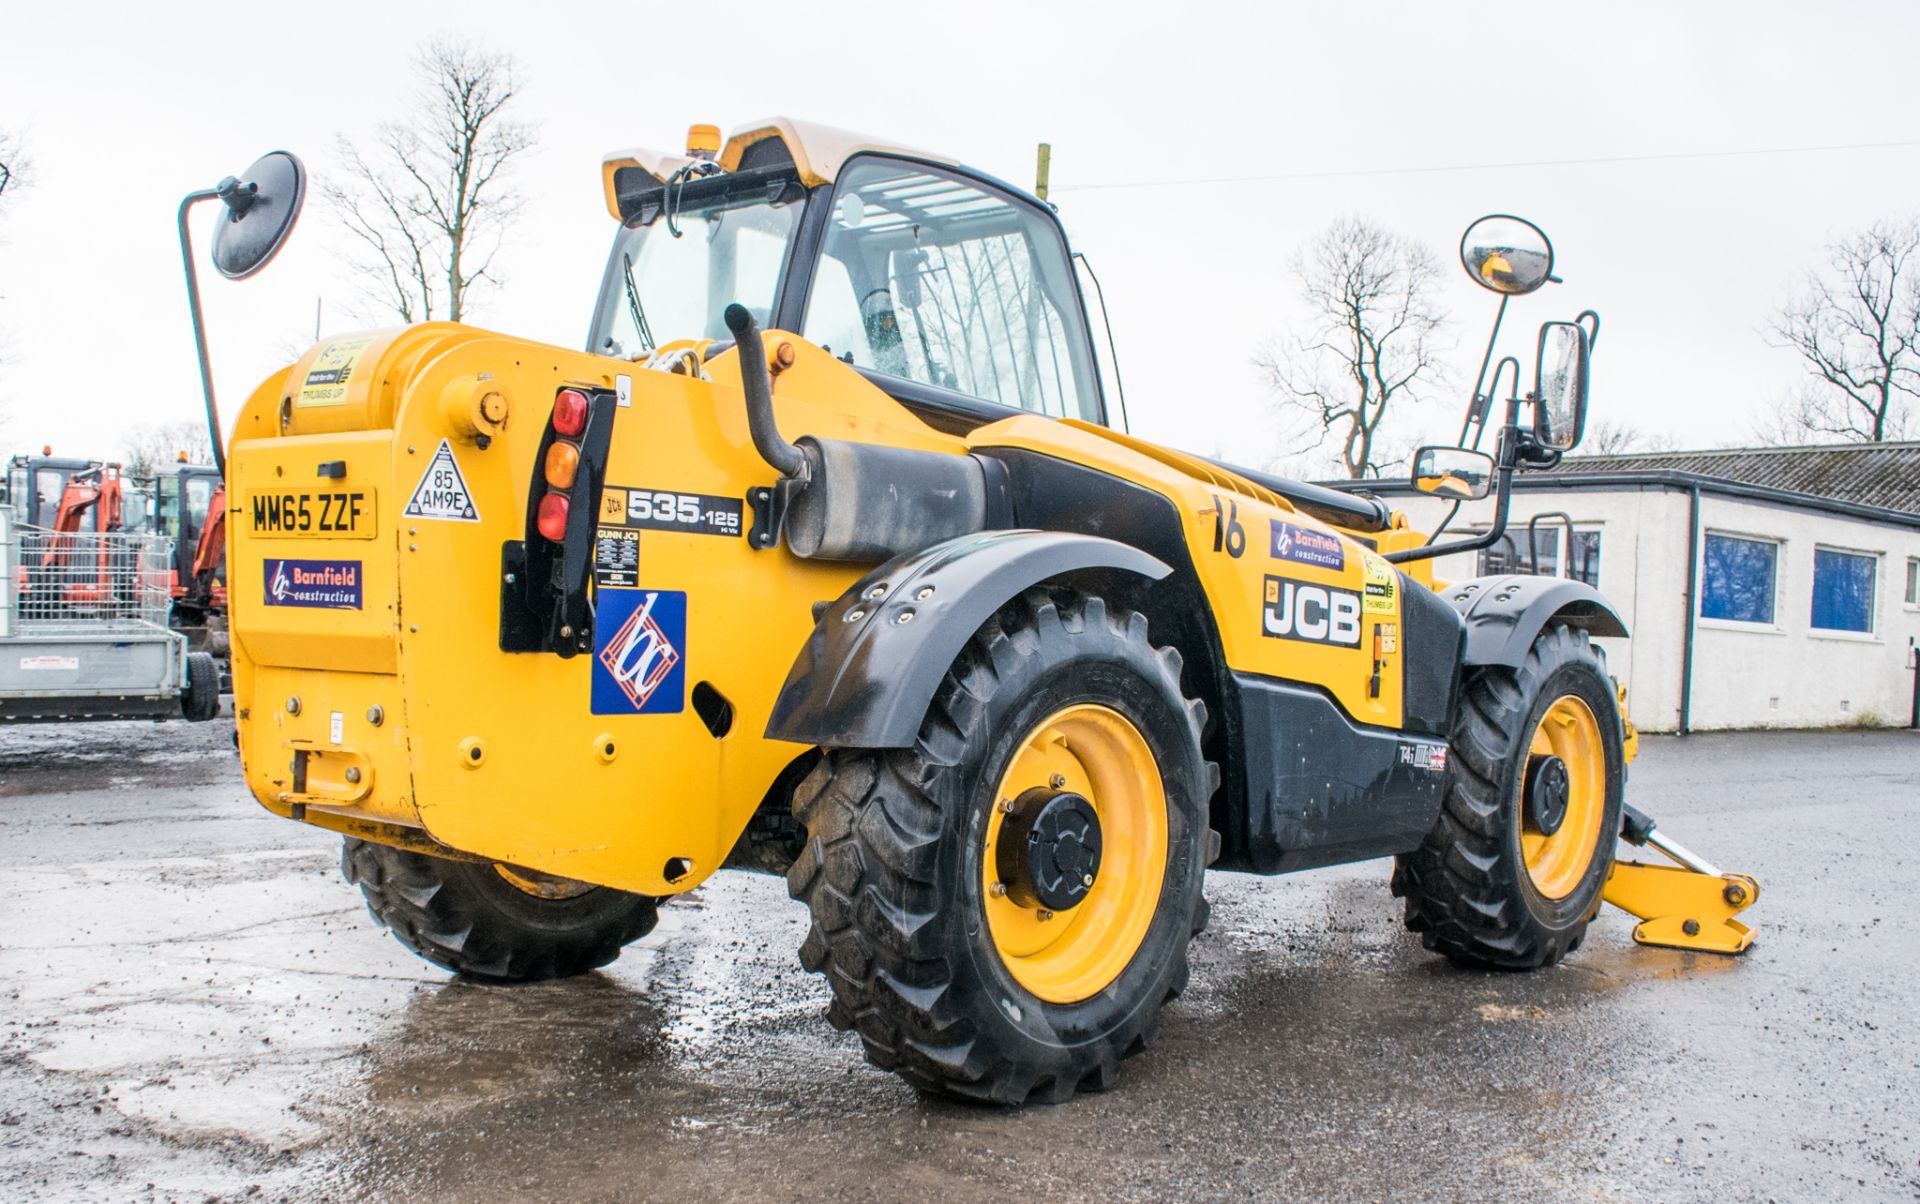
[261,209]
[1507,254]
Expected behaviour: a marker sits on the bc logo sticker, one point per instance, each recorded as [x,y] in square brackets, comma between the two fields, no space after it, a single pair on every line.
[640,652]
[1304,545]
[329,584]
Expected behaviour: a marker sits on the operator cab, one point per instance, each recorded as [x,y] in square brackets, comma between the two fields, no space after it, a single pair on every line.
[34,486]
[951,291]
[948,289]
[181,499]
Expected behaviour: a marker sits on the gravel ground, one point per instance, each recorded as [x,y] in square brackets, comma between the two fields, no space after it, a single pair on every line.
[193,1005]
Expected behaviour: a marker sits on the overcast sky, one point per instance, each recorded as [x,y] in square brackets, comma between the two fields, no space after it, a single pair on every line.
[128,107]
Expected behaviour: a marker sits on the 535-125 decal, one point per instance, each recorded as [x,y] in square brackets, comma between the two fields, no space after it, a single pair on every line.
[671,510]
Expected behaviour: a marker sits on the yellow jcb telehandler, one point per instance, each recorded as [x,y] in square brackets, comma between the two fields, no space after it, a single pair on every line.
[823,559]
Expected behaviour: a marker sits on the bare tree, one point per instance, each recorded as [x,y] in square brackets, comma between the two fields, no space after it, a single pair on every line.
[1371,344]
[13,164]
[13,174]
[1858,329]
[432,199]
[1611,437]
[147,449]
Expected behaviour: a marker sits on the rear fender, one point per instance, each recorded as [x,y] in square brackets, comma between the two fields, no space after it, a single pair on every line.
[1504,614]
[879,651]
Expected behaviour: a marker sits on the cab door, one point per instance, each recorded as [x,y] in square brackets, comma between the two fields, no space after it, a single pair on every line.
[952,293]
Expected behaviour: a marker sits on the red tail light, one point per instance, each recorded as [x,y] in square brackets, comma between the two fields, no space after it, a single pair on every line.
[570,413]
[552,517]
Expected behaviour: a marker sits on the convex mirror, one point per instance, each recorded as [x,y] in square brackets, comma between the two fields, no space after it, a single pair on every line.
[262,206]
[1560,385]
[1453,472]
[1506,254]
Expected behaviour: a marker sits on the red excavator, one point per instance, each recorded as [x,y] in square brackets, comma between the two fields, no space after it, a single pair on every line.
[190,505]
[186,503]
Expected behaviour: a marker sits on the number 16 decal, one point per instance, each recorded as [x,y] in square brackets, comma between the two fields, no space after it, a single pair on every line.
[1227,531]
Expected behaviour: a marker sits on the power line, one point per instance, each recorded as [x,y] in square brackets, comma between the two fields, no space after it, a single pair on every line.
[1408,171]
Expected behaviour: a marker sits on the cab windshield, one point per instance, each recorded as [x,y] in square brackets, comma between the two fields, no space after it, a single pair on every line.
[693,250]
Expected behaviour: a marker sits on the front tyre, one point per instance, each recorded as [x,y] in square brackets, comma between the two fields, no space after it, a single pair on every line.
[1511,872]
[493,921]
[1002,909]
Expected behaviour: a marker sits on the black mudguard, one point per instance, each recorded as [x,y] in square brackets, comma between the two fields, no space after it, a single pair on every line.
[1504,614]
[879,651]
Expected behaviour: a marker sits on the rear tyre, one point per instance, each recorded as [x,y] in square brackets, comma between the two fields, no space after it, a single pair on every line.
[1511,873]
[491,921]
[200,701]
[955,982]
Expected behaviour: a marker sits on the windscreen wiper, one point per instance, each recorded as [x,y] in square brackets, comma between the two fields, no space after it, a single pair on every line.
[636,309]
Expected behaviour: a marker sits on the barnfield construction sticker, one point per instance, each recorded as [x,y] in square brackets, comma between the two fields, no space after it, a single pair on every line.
[442,491]
[327,376]
[49,664]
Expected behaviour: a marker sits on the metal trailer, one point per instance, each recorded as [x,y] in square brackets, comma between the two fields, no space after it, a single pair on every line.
[83,629]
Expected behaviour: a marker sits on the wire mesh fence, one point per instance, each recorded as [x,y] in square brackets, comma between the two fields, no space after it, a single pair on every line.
[64,580]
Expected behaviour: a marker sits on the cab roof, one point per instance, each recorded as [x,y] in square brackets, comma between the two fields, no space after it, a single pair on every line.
[818,152]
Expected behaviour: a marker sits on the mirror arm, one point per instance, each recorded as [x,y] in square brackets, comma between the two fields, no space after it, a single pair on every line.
[200,326]
[1474,406]
[1593,332]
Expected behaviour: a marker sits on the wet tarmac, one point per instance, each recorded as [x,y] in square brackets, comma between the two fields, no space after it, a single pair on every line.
[193,1005]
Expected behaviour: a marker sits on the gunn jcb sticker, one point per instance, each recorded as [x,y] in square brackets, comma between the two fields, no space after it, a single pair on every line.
[1313,614]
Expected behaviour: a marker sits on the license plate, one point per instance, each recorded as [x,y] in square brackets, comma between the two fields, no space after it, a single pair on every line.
[313,513]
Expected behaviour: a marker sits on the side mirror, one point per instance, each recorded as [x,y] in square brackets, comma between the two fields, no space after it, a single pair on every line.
[261,209]
[1509,255]
[1560,385]
[1453,472]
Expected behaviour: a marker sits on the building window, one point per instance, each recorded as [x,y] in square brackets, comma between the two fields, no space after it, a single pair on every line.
[1843,590]
[1913,581]
[1739,579]
[1507,555]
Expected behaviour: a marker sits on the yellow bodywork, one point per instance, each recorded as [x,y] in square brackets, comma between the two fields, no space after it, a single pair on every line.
[496,755]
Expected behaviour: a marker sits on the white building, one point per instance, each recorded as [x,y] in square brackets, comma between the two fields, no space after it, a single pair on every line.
[1764,588]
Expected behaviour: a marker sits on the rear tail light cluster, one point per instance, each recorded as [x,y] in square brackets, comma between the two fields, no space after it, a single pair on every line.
[562,463]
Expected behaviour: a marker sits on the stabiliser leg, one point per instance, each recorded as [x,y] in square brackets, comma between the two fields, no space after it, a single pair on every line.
[1688,905]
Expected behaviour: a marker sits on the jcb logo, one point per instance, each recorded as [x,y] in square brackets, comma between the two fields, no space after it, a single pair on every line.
[1315,614]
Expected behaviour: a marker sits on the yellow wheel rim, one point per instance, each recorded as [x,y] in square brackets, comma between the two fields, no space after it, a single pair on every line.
[1558,862]
[1095,752]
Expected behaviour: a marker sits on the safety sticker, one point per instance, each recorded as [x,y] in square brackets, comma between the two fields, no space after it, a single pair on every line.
[616,557]
[327,584]
[1379,585]
[639,652]
[49,664]
[1388,637]
[668,510]
[1315,614]
[1304,545]
[1430,757]
[442,491]
[327,376]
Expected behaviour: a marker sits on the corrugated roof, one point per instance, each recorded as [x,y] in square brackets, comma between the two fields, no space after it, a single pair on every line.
[1886,475]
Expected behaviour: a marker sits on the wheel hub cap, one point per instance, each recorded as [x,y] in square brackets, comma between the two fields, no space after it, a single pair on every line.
[1548,785]
[1049,849]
